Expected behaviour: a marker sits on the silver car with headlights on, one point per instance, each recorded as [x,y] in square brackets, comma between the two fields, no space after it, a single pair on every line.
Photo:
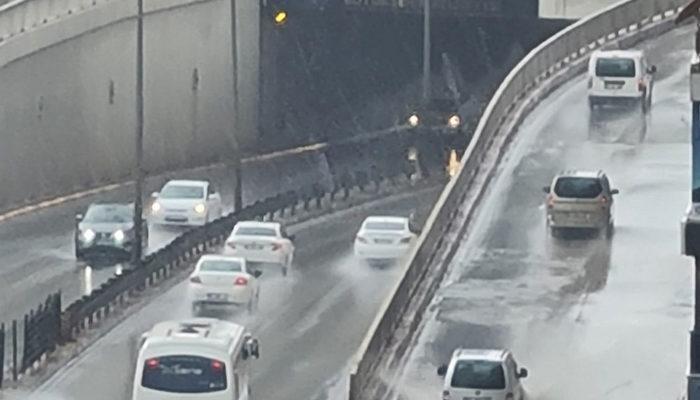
[106,230]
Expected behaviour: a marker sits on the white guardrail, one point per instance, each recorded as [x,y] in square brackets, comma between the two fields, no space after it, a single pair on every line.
[518,93]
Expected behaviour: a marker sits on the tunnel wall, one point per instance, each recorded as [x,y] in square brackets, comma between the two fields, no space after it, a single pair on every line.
[332,71]
[67,109]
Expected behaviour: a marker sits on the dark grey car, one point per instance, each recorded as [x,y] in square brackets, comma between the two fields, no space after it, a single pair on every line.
[106,230]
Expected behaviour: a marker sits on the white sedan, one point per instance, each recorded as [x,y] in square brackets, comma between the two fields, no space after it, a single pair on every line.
[223,281]
[262,242]
[186,203]
[383,239]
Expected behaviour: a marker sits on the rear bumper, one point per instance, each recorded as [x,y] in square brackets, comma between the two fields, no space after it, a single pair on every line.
[628,100]
[267,257]
[583,220]
[202,294]
[378,252]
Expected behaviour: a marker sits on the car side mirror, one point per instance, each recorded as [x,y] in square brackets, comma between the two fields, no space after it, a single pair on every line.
[155,195]
[257,273]
[652,69]
[291,237]
[442,370]
[615,191]
[78,217]
[522,373]
[251,349]
[547,189]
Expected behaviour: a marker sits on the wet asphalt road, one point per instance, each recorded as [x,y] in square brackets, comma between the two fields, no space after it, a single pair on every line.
[309,324]
[590,318]
[36,249]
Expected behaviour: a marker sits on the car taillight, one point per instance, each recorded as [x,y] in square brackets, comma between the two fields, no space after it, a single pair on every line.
[217,366]
[510,396]
[276,246]
[241,281]
[641,86]
[361,239]
[445,395]
[152,363]
[550,201]
[195,279]
[406,240]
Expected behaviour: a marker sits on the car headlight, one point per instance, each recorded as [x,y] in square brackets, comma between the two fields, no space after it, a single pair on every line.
[454,121]
[155,207]
[88,235]
[413,120]
[200,208]
[119,236]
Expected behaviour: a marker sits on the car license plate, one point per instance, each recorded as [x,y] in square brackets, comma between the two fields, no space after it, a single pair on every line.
[217,296]
[613,85]
[382,241]
[253,247]
[476,398]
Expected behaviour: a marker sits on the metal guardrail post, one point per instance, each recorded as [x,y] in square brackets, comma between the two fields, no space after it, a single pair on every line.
[2,354]
[14,350]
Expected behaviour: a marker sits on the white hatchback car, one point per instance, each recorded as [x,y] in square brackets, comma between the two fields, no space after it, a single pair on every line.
[382,239]
[186,203]
[223,281]
[262,242]
[620,77]
[482,374]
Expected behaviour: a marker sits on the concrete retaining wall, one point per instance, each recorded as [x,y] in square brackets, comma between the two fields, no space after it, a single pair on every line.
[67,110]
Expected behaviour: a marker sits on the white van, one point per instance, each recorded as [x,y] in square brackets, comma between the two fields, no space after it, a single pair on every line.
[199,358]
[620,77]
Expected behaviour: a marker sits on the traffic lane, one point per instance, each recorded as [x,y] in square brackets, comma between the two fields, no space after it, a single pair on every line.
[309,324]
[576,311]
[36,249]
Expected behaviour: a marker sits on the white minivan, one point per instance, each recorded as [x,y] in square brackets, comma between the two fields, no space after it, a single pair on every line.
[199,358]
[482,374]
[620,77]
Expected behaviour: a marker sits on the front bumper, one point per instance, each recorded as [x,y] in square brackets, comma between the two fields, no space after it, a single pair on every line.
[172,219]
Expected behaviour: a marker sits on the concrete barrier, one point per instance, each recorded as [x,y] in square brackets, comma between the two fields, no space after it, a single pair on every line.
[543,69]
[67,74]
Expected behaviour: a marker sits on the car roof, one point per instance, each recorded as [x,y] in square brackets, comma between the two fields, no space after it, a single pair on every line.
[202,332]
[618,53]
[573,173]
[381,218]
[259,224]
[186,182]
[481,354]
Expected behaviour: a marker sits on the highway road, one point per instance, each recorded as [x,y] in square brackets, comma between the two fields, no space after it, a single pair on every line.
[309,324]
[590,318]
[36,249]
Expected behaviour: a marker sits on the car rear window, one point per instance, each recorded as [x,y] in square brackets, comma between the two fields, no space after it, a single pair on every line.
[255,231]
[184,374]
[182,192]
[578,188]
[385,226]
[221,266]
[615,68]
[478,374]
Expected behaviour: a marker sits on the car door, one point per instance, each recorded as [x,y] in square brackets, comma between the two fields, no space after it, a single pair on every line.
[513,379]
[213,201]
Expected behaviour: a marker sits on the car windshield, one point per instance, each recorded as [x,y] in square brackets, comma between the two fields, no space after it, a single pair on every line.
[256,231]
[221,266]
[182,192]
[615,68]
[385,226]
[184,374]
[478,374]
[109,214]
[578,188]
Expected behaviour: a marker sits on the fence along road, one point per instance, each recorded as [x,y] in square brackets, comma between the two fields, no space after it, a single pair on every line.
[553,62]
